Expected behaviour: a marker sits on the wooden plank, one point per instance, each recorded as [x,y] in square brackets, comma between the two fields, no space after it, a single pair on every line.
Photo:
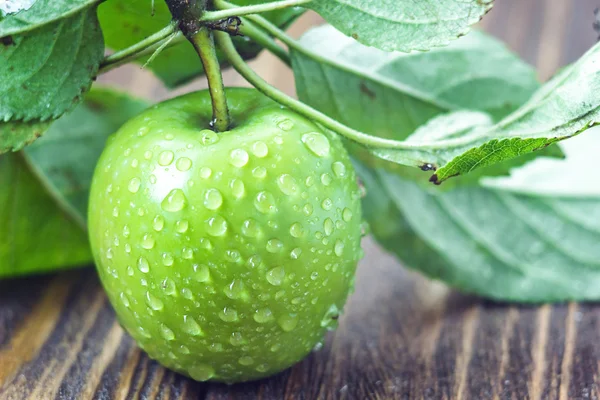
[402,336]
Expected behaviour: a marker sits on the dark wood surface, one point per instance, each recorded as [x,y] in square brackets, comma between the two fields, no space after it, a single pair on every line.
[402,336]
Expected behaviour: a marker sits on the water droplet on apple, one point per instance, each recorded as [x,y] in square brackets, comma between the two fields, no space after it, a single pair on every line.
[238,157]
[165,158]
[213,199]
[316,143]
[287,184]
[260,149]
[275,276]
[175,201]
[183,164]
[216,226]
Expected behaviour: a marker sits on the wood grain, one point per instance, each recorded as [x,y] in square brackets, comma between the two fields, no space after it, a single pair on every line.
[402,336]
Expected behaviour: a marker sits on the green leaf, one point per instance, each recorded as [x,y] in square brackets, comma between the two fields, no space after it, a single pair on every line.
[555,178]
[37,236]
[43,200]
[43,73]
[391,95]
[534,247]
[32,14]
[402,25]
[511,239]
[79,139]
[125,23]
[16,135]
[562,108]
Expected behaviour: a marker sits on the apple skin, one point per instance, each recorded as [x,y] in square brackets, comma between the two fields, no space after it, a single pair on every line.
[227,256]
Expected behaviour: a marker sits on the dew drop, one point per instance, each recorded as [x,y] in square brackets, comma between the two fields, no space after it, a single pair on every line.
[175,201]
[287,184]
[328,226]
[205,243]
[168,286]
[237,188]
[205,172]
[124,300]
[167,259]
[317,143]
[208,137]
[285,125]
[339,169]
[154,302]
[228,314]
[278,139]
[338,248]
[184,349]
[134,163]
[274,246]
[265,202]
[148,241]
[246,360]
[275,276]
[235,289]
[213,199]
[238,157]
[190,326]
[330,318]
[215,347]
[187,293]
[143,131]
[310,180]
[307,210]
[347,214]
[288,322]
[327,204]
[201,372]
[158,223]
[262,368]
[165,158]
[326,179]
[275,347]
[237,339]
[216,226]
[148,154]
[115,212]
[254,261]
[260,149]
[152,179]
[143,265]
[259,172]
[187,253]
[314,276]
[263,315]
[296,253]
[183,164]
[296,230]
[182,226]
[251,228]
[201,273]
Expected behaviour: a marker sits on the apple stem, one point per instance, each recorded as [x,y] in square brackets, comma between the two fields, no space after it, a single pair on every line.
[188,14]
[205,47]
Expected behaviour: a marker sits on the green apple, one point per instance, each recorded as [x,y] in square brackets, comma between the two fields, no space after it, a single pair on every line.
[226,255]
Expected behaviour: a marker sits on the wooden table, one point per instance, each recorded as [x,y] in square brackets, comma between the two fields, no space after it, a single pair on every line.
[402,336]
